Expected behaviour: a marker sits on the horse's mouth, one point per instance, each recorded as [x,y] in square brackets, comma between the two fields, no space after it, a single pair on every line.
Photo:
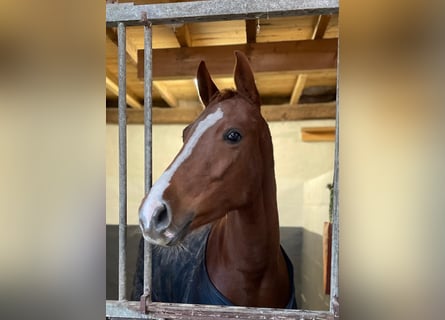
[168,237]
[178,236]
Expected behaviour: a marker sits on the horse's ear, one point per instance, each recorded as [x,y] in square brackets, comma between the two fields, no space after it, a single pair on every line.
[244,79]
[206,86]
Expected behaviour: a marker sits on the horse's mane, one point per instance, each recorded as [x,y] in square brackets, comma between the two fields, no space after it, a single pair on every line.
[223,95]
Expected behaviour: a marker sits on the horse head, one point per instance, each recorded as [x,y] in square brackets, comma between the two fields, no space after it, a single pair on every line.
[219,167]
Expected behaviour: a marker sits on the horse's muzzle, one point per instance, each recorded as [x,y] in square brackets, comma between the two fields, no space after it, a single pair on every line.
[155,224]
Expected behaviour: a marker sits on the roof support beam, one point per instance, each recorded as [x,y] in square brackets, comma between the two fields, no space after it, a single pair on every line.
[300,56]
[132,55]
[251,30]
[321,26]
[298,88]
[166,94]
[183,35]
[132,101]
[299,112]
[188,115]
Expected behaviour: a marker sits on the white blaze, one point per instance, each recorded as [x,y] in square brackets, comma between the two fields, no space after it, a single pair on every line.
[154,198]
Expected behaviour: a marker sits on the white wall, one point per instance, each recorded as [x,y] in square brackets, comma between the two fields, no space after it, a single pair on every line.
[295,163]
[316,198]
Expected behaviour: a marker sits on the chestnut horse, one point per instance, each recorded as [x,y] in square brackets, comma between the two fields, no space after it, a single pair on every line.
[217,199]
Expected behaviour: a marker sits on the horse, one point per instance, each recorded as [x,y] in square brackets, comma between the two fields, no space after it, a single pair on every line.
[212,215]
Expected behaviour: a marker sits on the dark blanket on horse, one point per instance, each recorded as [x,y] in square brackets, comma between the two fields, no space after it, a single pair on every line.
[180,275]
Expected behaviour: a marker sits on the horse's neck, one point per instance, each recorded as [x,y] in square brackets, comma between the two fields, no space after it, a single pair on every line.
[248,237]
[244,249]
[251,234]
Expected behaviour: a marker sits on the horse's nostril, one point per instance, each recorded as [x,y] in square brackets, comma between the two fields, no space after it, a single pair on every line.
[161,218]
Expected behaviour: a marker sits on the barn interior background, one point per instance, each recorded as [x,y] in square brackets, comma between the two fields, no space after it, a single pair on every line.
[295,65]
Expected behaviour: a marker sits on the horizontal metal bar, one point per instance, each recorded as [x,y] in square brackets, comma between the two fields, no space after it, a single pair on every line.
[214,10]
[159,310]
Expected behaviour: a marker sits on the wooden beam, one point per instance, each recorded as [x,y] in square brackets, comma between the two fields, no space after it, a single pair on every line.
[300,56]
[111,34]
[113,87]
[173,311]
[298,88]
[321,26]
[131,50]
[188,115]
[299,112]
[166,94]
[318,134]
[159,115]
[251,30]
[183,35]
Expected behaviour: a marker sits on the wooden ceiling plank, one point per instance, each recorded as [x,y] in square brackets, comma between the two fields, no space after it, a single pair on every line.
[188,115]
[131,49]
[183,35]
[166,94]
[301,56]
[321,26]
[251,30]
[298,88]
[113,87]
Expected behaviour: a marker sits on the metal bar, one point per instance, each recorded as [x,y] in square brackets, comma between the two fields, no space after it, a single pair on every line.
[334,303]
[159,310]
[148,35]
[214,10]
[122,163]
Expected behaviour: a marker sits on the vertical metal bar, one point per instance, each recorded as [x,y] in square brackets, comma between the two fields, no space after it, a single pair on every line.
[334,303]
[148,145]
[121,35]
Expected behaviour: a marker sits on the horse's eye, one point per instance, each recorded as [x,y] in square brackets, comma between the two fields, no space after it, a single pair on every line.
[232,136]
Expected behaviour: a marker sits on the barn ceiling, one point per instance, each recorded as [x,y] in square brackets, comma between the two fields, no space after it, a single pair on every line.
[294,60]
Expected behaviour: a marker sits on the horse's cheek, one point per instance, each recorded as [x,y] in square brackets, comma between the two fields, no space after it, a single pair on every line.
[219,168]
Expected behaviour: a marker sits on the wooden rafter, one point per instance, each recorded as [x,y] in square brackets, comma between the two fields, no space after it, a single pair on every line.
[251,30]
[298,88]
[301,56]
[130,47]
[270,113]
[321,26]
[319,134]
[183,35]
[113,87]
[166,94]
